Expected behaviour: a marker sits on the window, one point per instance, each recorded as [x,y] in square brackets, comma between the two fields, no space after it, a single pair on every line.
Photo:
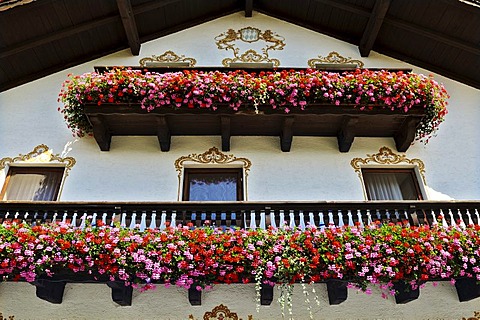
[213,184]
[391,184]
[32,183]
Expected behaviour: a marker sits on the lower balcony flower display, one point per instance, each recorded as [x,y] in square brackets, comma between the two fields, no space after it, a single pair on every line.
[285,103]
[386,255]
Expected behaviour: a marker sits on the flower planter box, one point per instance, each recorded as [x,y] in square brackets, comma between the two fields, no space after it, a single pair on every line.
[321,120]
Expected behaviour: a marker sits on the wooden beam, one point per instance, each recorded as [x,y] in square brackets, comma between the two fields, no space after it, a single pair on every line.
[266,294]
[130,26]
[337,291]
[373,26]
[121,293]
[406,134]
[50,37]
[163,133]
[248,8]
[440,37]
[346,6]
[346,135]
[226,132]
[100,132]
[286,136]
[51,291]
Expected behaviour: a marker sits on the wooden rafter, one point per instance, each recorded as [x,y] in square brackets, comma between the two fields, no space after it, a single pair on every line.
[130,26]
[373,26]
[248,8]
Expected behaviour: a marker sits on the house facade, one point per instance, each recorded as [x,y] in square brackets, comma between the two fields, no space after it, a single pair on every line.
[300,171]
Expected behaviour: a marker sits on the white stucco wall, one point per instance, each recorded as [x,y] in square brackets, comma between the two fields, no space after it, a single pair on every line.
[136,169]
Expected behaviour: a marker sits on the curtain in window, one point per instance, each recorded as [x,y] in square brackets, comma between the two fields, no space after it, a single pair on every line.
[383,187]
[213,187]
[33,186]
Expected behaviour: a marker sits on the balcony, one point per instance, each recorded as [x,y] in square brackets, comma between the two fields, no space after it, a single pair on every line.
[158,216]
[281,102]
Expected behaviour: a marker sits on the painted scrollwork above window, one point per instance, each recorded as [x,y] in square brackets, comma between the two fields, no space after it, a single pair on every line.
[228,41]
[335,58]
[220,312]
[386,156]
[39,155]
[166,58]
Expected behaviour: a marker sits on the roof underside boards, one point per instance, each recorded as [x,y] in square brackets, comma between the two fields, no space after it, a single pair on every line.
[46,36]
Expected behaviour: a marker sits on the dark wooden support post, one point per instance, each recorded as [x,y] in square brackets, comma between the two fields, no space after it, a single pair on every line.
[286,135]
[405,135]
[248,8]
[337,291]
[121,293]
[130,26]
[194,296]
[346,135]
[467,289]
[163,133]
[266,294]
[100,132]
[373,27]
[51,291]
[226,132]
[404,292]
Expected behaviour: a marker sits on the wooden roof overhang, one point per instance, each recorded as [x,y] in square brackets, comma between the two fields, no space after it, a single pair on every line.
[42,37]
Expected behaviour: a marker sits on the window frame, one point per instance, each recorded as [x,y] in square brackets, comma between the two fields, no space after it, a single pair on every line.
[393,169]
[212,170]
[32,169]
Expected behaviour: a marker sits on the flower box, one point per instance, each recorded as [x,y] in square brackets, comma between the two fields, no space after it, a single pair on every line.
[284,103]
[322,120]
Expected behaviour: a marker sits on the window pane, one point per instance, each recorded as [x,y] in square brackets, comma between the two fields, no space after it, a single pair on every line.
[28,183]
[384,184]
[212,186]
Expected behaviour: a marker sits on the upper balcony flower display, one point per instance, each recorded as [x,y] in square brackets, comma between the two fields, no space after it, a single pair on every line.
[284,90]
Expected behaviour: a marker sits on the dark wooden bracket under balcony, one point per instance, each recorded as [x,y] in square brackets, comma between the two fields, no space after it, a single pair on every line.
[321,120]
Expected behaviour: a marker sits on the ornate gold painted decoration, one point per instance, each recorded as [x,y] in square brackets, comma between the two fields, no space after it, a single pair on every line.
[211,156]
[385,156]
[40,154]
[168,57]
[227,41]
[333,57]
[220,312]
[476,316]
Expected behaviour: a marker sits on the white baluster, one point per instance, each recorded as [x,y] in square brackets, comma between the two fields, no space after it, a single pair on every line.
[462,223]
[321,222]
[435,222]
[405,213]
[83,220]
[292,219]
[282,219]
[133,221]
[379,216]
[478,217]
[262,220]
[302,220]
[311,219]
[340,219]
[470,221]
[387,213]
[369,218]
[174,219]
[64,218]
[444,221]
[74,220]
[153,222]
[112,223]
[331,222]
[253,223]
[350,218]
[272,219]
[163,220]
[94,219]
[397,215]
[360,218]
[25,216]
[104,219]
[54,218]
[143,221]
[16,215]
[123,221]
[452,219]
